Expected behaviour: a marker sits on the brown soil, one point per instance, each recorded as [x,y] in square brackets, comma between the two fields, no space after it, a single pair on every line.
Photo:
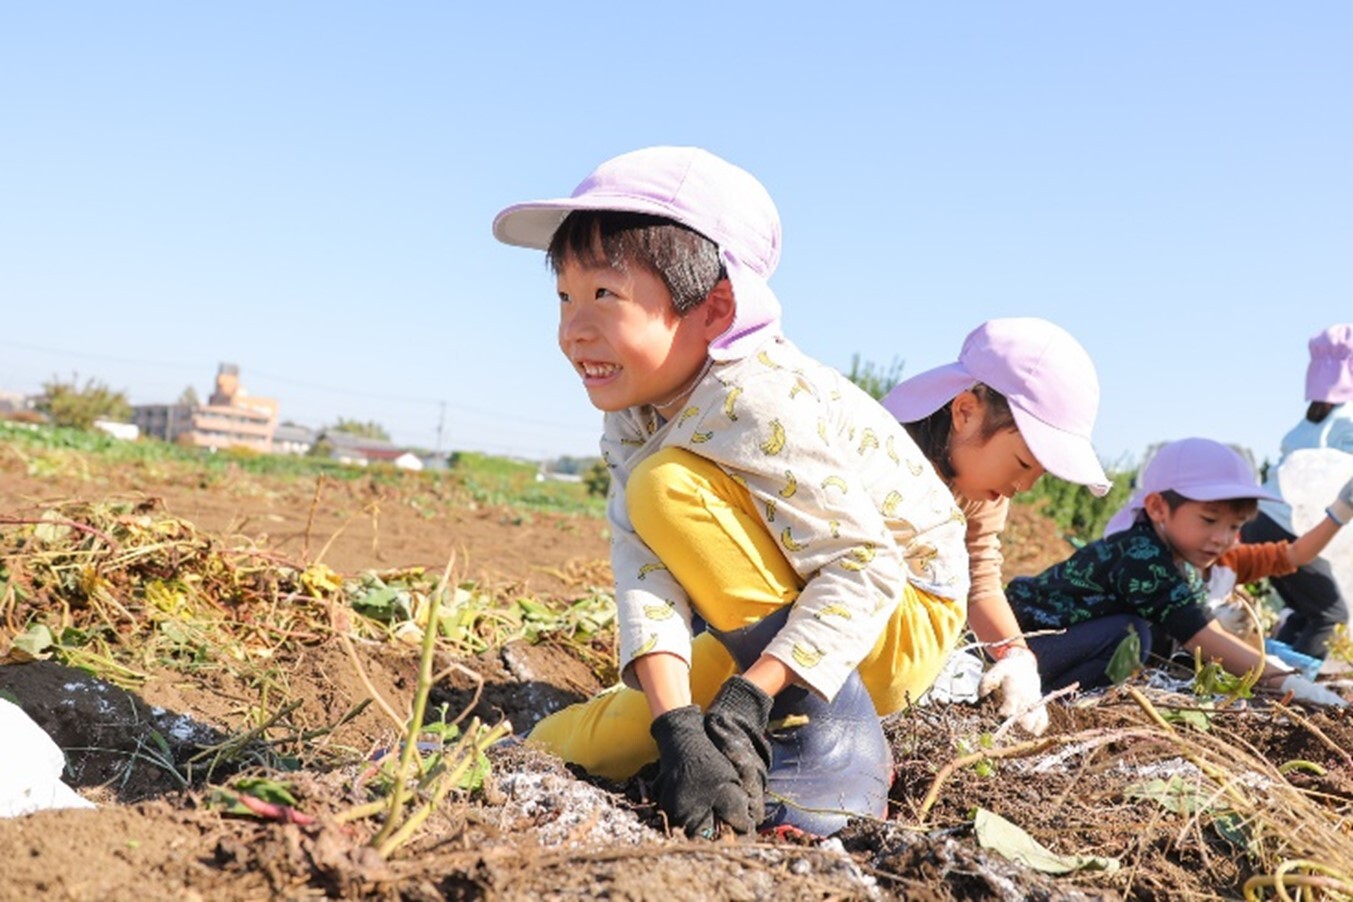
[536,830]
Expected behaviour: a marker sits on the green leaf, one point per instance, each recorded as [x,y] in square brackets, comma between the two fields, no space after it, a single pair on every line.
[36,642]
[1126,660]
[999,835]
[1199,720]
[1175,794]
[268,790]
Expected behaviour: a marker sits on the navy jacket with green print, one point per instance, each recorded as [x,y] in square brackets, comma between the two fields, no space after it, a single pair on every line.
[1129,572]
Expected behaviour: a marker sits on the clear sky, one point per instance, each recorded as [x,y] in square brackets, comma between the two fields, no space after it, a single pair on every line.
[305,189]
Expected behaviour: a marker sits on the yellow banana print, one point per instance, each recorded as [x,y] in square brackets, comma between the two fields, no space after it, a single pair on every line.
[739,479]
[728,403]
[864,553]
[835,527]
[649,568]
[916,469]
[791,485]
[892,503]
[787,540]
[800,385]
[631,442]
[835,482]
[822,431]
[835,610]
[770,510]
[764,359]
[686,414]
[860,556]
[776,443]
[699,438]
[924,556]
[659,611]
[649,644]
[891,447]
[805,656]
[868,440]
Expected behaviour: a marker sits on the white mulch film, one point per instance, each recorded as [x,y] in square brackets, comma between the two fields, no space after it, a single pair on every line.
[31,777]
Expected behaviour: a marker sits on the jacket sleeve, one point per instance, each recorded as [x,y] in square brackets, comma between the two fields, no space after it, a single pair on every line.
[1251,562]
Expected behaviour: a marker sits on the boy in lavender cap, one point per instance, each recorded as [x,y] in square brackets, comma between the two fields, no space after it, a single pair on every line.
[1151,570]
[753,489]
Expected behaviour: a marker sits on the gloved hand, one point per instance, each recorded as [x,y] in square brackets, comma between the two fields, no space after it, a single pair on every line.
[1016,676]
[1342,508]
[736,723]
[1232,617]
[1304,690]
[697,786]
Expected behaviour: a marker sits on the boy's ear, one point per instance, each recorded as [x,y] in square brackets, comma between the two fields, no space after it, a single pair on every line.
[1156,507]
[718,309]
[966,413]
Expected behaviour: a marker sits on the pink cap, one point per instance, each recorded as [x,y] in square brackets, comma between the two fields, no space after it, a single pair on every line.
[1329,377]
[697,189]
[1197,468]
[1043,372]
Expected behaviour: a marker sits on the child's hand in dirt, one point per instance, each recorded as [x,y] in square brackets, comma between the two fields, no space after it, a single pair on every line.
[736,722]
[1016,676]
[1304,690]
[697,786]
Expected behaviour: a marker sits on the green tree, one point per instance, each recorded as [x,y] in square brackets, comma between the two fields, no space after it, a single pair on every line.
[370,429]
[69,404]
[189,397]
[875,380]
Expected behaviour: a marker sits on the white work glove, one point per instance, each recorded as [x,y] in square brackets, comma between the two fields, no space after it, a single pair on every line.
[1232,617]
[1016,676]
[1304,690]
[1341,511]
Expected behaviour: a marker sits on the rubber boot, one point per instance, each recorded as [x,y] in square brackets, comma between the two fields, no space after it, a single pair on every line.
[829,760]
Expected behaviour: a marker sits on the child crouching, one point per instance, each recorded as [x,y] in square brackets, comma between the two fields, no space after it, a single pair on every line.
[1151,568]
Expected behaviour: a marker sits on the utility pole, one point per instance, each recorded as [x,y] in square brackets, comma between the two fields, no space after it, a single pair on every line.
[441,424]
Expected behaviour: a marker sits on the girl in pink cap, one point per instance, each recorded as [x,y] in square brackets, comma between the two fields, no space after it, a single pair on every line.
[1149,573]
[1021,399]
[1311,592]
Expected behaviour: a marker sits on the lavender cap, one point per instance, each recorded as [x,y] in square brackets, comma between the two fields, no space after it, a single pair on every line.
[1197,468]
[1329,376]
[1043,372]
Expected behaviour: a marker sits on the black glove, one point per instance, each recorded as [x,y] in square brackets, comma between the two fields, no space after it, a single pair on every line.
[736,723]
[697,786]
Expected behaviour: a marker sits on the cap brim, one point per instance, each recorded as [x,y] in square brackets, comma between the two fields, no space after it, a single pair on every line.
[1227,491]
[533,224]
[921,395]
[1063,454]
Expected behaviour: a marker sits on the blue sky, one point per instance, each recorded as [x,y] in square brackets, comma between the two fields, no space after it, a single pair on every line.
[306,189]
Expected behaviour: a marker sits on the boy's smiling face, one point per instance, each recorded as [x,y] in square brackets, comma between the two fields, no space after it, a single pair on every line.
[619,330]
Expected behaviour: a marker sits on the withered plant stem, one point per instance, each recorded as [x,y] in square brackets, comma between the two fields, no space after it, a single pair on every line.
[420,700]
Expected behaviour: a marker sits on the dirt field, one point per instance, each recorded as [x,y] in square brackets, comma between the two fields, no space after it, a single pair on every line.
[164,759]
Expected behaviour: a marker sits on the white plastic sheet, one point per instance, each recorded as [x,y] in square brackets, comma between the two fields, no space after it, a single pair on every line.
[30,779]
[1309,480]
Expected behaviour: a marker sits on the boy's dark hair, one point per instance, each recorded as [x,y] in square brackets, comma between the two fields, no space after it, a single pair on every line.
[687,262]
[1241,507]
[931,434]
